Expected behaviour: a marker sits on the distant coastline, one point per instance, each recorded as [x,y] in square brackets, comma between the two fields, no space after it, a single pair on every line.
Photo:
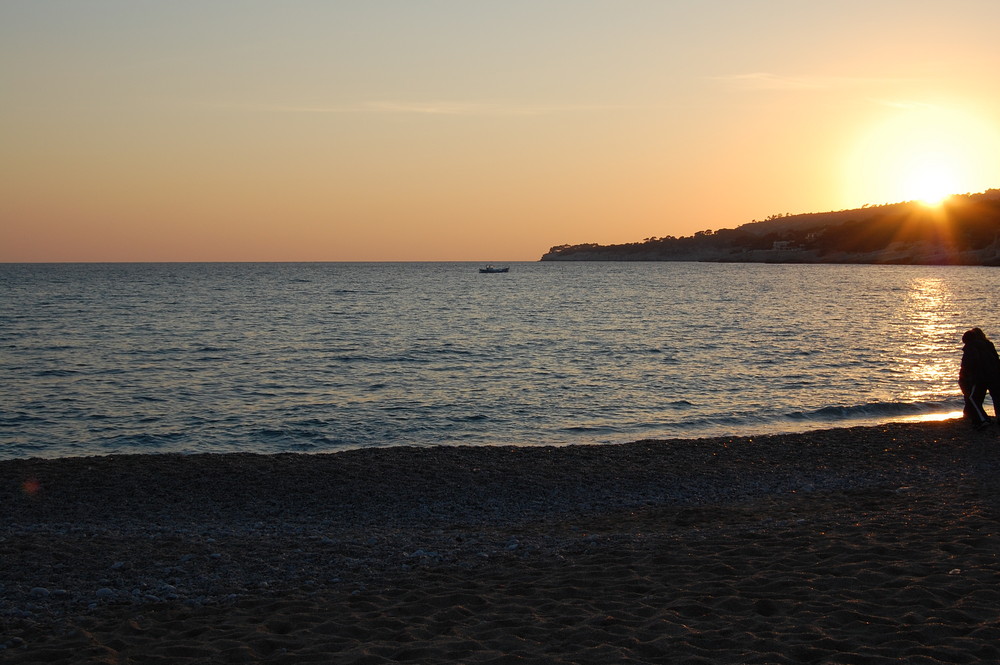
[964,230]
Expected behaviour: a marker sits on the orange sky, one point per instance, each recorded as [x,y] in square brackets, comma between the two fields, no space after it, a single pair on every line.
[457,130]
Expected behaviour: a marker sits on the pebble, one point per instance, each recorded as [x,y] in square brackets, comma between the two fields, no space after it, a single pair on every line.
[361,538]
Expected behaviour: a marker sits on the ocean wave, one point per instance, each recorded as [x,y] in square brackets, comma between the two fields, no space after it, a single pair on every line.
[876,410]
[19,419]
[467,419]
[140,441]
[590,429]
[760,422]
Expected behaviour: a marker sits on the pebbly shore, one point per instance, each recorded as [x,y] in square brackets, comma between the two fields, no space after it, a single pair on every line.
[85,539]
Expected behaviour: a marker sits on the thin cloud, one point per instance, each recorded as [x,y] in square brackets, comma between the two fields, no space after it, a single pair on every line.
[906,105]
[766,81]
[441,108]
[771,81]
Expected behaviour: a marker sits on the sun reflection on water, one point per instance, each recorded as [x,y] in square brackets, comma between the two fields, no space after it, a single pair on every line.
[931,417]
[933,333]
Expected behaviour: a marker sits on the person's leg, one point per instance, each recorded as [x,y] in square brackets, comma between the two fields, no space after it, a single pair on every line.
[974,404]
[994,391]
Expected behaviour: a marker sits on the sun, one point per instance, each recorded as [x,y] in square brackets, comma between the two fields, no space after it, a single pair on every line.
[929,179]
[922,153]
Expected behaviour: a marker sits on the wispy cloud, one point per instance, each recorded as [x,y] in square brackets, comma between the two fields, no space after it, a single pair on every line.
[767,81]
[905,105]
[438,108]
[415,108]
[771,81]
[431,108]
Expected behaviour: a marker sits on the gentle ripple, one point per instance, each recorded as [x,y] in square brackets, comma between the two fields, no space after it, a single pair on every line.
[99,359]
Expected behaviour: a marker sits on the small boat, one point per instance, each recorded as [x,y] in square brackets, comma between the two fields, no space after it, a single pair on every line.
[495,269]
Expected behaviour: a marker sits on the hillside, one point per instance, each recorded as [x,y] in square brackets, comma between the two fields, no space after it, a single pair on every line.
[962,231]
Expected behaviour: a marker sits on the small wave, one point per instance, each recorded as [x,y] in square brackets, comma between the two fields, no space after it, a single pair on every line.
[873,410]
[19,419]
[145,441]
[311,422]
[301,446]
[295,438]
[468,419]
[376,359]
[585,429]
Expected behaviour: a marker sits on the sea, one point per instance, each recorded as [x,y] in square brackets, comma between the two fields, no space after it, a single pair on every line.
[99,359]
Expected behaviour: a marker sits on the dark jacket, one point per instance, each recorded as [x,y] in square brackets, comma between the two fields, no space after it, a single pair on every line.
[980,362]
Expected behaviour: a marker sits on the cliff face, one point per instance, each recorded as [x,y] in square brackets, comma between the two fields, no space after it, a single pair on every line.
[963,231]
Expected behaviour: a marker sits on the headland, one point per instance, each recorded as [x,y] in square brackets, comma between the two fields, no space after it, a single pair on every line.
[963,230]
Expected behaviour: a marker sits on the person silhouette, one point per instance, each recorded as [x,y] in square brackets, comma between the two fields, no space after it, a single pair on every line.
[979,374]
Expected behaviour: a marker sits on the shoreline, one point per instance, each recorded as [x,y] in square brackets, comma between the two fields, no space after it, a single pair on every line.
[516,546]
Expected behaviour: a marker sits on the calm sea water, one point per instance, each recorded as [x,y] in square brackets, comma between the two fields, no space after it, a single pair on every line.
[119,358]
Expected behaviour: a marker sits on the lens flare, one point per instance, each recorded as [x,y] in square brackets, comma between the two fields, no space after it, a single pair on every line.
[31,487]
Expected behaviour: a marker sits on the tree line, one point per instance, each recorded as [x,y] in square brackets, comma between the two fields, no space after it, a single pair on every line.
[962,224]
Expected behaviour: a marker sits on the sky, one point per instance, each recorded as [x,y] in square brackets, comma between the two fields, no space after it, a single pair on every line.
[430,130]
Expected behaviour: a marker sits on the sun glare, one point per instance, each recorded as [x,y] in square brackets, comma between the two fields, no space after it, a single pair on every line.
[925,154]
[930,180]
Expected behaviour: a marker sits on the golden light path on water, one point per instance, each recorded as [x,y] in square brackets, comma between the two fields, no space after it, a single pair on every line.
[928,306]
[932,417]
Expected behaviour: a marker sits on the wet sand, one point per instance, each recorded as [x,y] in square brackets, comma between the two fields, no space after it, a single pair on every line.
[858,545]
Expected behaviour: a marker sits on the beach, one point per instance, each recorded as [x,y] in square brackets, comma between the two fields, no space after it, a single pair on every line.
[854,545]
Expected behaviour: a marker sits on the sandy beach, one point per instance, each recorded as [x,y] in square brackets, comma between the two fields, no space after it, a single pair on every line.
[857,545]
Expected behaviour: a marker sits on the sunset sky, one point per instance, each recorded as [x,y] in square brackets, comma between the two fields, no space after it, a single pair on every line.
[134,130]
